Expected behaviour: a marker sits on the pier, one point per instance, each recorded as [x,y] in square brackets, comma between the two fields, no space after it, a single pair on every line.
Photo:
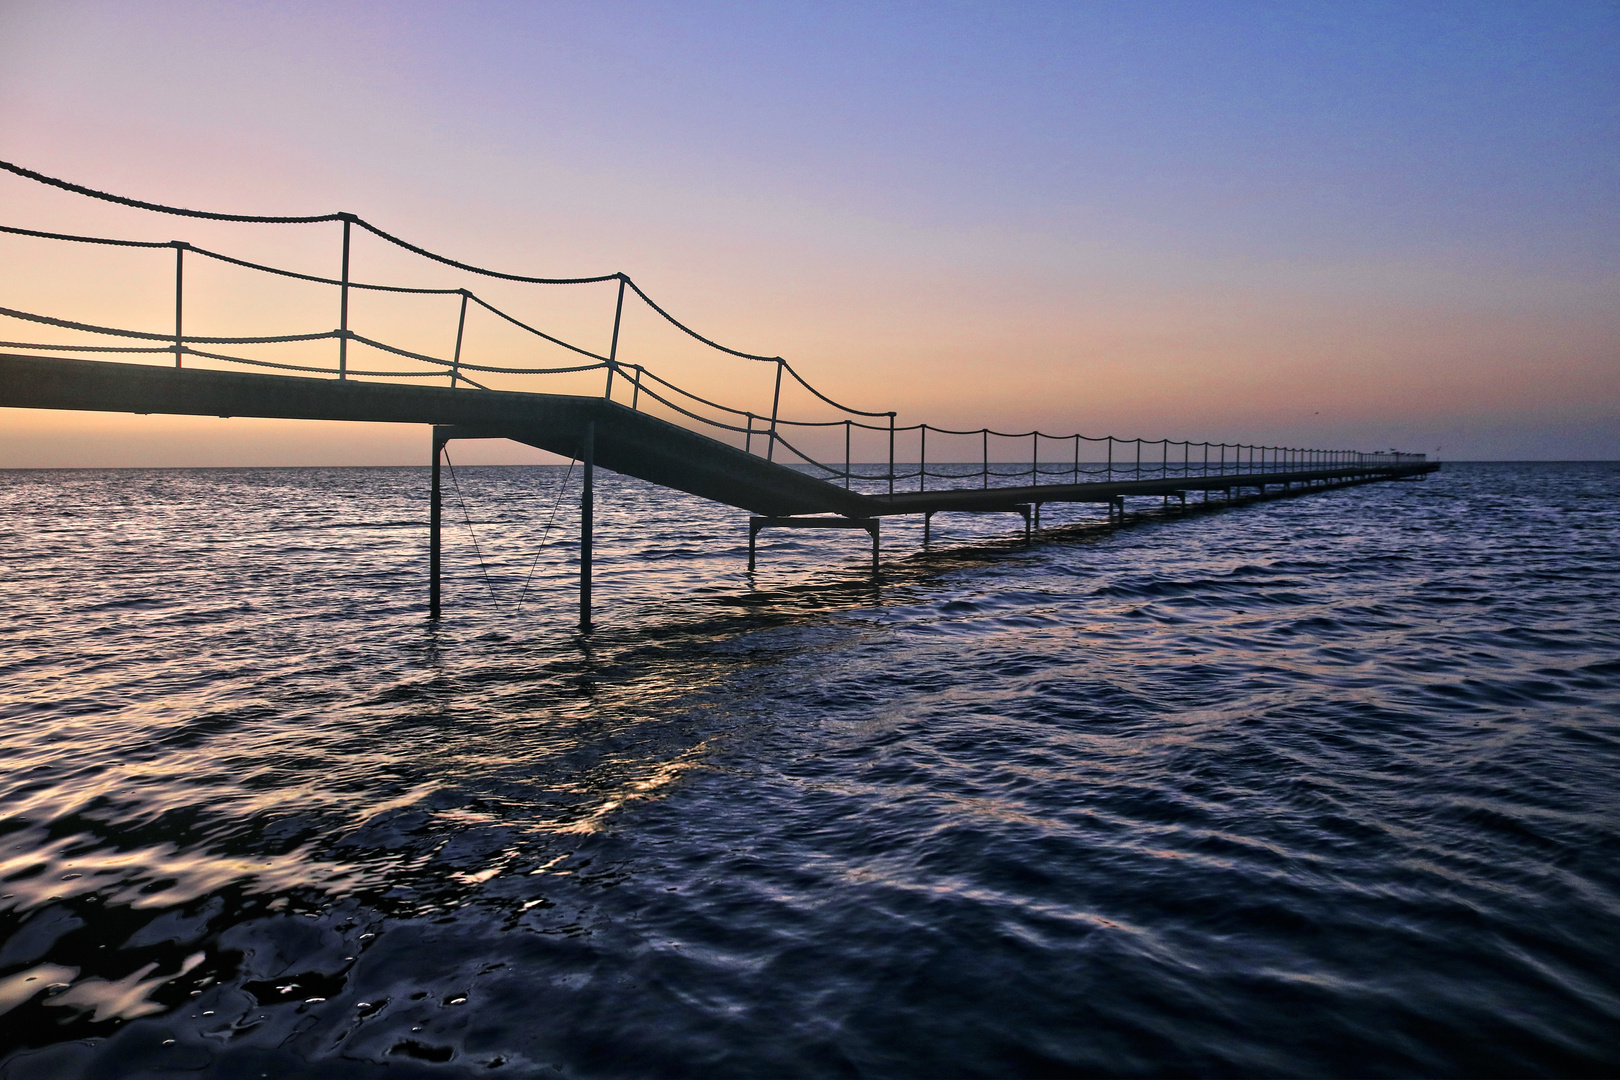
[641,424]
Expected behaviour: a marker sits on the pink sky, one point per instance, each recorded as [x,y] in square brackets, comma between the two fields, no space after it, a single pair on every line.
[1354,234]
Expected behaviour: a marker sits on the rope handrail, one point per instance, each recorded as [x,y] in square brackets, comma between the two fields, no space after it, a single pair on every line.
[702,419]
[316,278]
[471,367]
[1089,467]
[493,310]
[107,240]
[687,393]
[469,267]
[141,335]
[306,367]
[139,204]
[837,405]
[306,219]
[1260,458]
[381,234]
[673,321]
[88,348]
[827,423]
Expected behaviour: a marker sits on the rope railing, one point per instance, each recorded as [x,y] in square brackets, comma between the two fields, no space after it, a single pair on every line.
[1109,457]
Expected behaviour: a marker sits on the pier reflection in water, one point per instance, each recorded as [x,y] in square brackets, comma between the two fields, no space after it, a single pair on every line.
[1319,785]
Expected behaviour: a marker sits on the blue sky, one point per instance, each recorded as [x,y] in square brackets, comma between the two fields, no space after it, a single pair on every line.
[1184,217]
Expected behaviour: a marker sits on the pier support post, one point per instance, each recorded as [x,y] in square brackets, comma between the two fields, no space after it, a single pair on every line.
[1037,518]
[928,523]
[587,512]
[755,524]
[435,519]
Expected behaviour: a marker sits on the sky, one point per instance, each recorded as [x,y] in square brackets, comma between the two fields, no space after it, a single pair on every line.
[1340,224]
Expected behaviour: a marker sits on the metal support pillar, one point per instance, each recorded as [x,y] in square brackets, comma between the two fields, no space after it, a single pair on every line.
[928,522]
[1038,517]
[435,519]
[1024,509]
[755,524]
[587,512]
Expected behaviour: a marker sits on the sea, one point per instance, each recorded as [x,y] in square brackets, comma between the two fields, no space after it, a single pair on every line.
[1322,785]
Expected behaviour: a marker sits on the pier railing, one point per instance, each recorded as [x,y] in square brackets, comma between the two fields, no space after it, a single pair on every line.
[1036,457]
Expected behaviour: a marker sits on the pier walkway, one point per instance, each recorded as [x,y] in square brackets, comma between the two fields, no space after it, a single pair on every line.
[691,446]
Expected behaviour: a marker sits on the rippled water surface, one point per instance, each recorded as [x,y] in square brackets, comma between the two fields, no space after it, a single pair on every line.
[1322,785]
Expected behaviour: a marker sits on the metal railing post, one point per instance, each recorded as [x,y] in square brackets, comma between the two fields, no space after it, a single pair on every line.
[1034,458]
[343,304]
[922,459]
[1077,459]
[613,347]
[179,289]
[635,395]
[776,403]
[1110,474]
[461,326]
[986,468]
[847,427]
[891,453]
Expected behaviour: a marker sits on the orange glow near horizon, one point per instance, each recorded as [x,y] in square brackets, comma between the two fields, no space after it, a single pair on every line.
[1078,311]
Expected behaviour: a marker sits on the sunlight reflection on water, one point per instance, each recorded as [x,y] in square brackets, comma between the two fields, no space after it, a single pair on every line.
[1119,803]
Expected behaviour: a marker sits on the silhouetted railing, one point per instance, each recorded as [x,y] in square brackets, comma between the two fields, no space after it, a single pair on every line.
[1109,457]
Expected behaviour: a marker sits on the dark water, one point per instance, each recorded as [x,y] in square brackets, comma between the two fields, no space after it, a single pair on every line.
[1318,786]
